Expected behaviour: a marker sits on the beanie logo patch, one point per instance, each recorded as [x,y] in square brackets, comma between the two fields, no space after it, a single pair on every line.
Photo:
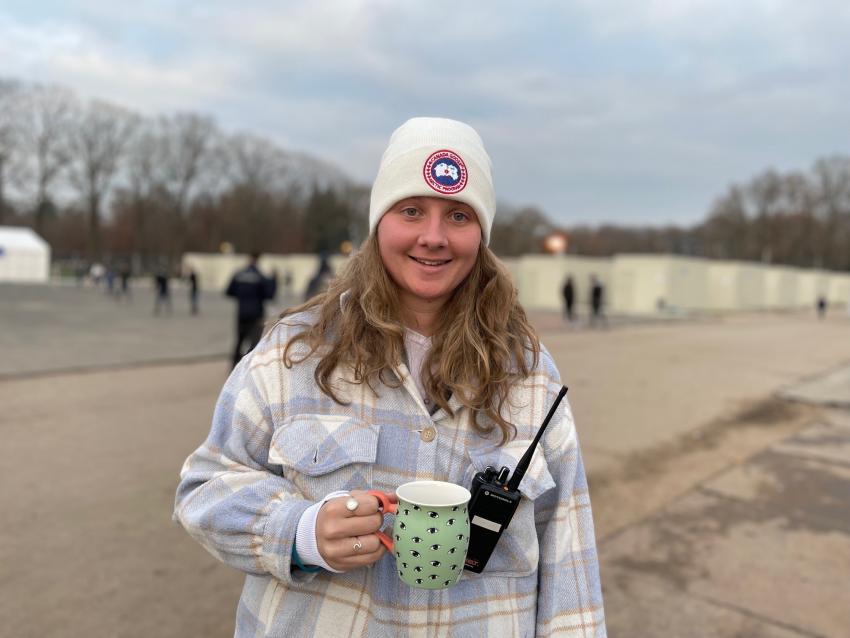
[445,172]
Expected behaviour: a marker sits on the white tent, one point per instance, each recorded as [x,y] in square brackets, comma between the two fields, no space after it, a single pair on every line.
[24,256]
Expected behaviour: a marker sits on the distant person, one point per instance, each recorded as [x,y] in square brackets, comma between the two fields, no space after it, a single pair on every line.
[319,282]
[821,306]
[125,282]
[597,301]
[80,273]
[251,289]
[96,273]
[110,281]
[193,291]
[568,293]
[162,292]
[287,283]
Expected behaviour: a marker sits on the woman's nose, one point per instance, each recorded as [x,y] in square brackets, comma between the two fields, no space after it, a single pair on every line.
[434,233]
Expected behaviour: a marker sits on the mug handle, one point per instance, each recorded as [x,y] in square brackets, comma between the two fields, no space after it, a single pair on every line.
[388,508]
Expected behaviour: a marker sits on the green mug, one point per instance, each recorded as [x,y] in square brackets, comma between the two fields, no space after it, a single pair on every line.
[430,534]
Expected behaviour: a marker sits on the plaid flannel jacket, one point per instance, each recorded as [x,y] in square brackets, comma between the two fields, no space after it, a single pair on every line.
[277,444]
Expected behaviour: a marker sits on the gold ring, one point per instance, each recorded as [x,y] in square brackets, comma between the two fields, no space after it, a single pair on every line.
[358,545]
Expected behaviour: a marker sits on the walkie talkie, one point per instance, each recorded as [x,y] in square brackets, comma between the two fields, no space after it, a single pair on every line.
[495,499]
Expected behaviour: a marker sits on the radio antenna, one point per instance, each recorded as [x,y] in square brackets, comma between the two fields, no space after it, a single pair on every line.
[525,461]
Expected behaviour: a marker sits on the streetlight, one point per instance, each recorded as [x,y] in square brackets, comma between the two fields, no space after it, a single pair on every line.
[555,243]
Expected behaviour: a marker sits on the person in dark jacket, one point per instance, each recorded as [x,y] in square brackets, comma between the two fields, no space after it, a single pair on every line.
[192,278]
[597,301]
[163,294]
[251,289]
[568,293]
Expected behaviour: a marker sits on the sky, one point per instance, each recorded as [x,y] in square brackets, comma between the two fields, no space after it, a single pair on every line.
[636,113]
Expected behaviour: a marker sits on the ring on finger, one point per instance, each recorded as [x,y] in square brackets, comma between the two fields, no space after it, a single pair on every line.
[357,545]
[351,504]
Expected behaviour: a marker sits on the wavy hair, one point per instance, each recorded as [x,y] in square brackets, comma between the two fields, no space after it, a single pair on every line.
[478,351]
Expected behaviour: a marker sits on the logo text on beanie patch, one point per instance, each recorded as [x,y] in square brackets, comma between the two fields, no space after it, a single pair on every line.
[445,172]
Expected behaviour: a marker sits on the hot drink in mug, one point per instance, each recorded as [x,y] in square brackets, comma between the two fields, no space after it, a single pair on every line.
[431,532]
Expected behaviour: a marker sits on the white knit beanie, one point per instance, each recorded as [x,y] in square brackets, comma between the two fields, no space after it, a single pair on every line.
[433,156]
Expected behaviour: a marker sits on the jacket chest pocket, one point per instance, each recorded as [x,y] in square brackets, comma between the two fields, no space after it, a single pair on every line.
[322,453]
[517,552]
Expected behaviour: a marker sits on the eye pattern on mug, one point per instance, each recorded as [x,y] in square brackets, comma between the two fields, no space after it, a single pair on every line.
[428,572]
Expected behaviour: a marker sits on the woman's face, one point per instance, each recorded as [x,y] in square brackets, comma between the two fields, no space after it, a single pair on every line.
[428,245]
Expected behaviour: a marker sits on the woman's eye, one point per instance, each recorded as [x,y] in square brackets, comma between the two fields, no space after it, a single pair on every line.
[459,216]
[409,212]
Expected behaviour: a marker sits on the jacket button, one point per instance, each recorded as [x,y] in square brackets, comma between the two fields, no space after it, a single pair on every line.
[429,434]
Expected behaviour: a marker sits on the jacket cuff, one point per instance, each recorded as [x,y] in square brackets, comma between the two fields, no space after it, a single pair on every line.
[278,541]
[305,538]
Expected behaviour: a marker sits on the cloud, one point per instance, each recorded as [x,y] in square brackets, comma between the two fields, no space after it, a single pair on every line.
[616,111]
[79,58]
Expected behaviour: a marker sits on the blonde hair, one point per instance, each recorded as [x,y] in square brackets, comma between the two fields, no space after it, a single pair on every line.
[477,353]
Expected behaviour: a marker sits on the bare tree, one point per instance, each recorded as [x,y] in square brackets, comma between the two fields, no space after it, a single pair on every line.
[724,233]
[765,192]
[183,144]
[832,188]
[44,134]
[253,161]
[254,167]
[518,231]
[142,155]
[800,235]
[9,94]
[97,145]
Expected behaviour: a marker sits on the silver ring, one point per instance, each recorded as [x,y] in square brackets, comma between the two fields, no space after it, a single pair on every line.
[358,545]
[351,504]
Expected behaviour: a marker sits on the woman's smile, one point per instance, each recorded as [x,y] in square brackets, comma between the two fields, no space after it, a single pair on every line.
[430,263]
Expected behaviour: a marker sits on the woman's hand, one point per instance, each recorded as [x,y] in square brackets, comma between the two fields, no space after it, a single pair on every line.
[346,538]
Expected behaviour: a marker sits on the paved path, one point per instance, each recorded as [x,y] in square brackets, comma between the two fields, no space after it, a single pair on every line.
[721,505]
[63,328]
[761,548]
[831,388]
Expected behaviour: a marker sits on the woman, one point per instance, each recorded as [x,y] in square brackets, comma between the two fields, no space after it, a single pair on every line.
[417,363]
